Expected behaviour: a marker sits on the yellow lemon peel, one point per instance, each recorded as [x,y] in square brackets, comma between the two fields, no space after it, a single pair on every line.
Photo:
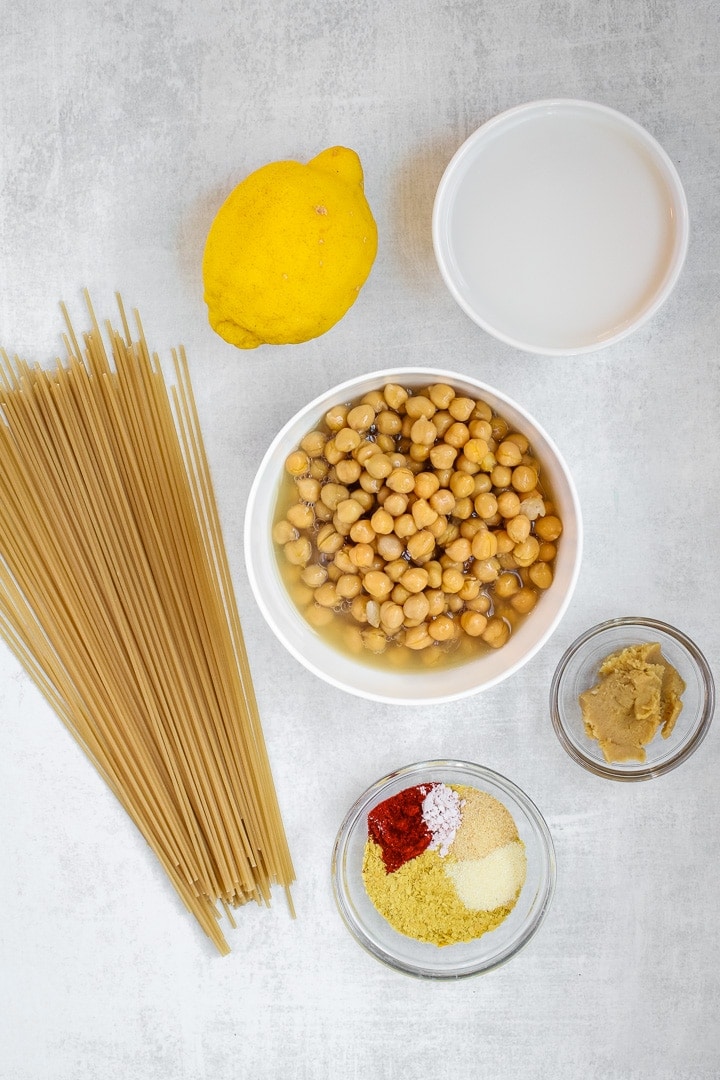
[289,251]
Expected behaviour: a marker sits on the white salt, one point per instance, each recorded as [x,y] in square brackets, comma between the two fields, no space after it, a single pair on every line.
[442,813]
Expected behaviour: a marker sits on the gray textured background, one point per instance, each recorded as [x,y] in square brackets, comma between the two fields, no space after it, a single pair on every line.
[122,127]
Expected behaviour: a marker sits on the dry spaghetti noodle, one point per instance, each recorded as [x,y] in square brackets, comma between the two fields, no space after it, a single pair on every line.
[116,596]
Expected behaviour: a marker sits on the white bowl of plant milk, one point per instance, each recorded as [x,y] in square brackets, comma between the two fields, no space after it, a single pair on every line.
[560,226]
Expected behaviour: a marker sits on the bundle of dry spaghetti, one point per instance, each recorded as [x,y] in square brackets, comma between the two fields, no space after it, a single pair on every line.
[116,596]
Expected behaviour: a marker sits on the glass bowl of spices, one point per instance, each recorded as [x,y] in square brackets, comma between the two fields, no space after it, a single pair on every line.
[443,869]
[632,698]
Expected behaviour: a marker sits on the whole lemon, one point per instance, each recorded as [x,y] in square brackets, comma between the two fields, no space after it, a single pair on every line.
[289,251]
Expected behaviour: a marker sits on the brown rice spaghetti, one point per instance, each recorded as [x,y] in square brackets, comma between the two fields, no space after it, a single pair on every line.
[116,596]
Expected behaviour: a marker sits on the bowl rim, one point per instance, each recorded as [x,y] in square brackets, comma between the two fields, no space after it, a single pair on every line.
[605,769]
[344,389]
[365,801]
[674,186]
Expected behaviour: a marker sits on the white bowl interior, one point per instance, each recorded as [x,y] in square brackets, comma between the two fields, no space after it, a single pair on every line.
[560,226]
[372,682]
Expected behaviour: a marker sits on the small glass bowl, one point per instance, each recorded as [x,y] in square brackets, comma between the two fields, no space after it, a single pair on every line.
[420,958]
[578,671]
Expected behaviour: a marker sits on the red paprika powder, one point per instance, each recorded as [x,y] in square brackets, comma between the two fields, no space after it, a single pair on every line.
[398,827]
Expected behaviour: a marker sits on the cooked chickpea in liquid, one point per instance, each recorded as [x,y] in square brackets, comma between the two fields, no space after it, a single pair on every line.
[416,527]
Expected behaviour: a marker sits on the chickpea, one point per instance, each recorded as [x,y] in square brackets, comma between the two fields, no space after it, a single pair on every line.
[473,623]
[496,632]
[480,429]
[526,552]
[462,485]
[347,440]
[506,585]
[401,479]
[475,450]
[423,431]
[457,435]
[396,569]
[417,637]
[419,406]
[326,595]
[482,411]
[396,503]
[332,494]
[382,522]
[314,575]
[297,463]
[388,423]
[369,484]
[416,608]
[349,511]
[484,545]
[426,484]
[500,428]
[420,544]
[547,551]
[501,476]
[328,540]
[415,579]
[377,584]
[348,586]
[374,639]
[548,528]
[524,600]
[442,421]
[283,532]
[541,575]
[385,443]
[362,416]
[390,547]
[508,503]
[452,580]
[443,455]
[336,417]
[298,552]
[486,505]
[518,528]
[343,561]
[437,601]
[485,570]
[358,608]
[395,395]
[504,543]
[378,466]
[313,443]
[391,615]
[441,395]
[508,453]
[481,484]
[443,501]
[471,589]
[318,468]
[434,572]
[405,526]
[441,628]
[459,550]
[423,513]
[482,603]
[463,508]
[399,594]
[524,478]
[362,532]
[465,465]
[461,408]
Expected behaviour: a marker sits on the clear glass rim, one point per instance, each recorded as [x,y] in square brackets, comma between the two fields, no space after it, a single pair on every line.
[546,889]
[606,770]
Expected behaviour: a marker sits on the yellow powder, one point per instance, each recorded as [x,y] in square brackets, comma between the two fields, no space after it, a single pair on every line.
[486,824]
[420,900]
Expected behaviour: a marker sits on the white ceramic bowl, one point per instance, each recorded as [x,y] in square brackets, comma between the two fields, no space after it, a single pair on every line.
[385,684]
[560,226]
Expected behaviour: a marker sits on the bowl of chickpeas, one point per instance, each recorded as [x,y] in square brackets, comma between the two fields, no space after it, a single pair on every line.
[413,536]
